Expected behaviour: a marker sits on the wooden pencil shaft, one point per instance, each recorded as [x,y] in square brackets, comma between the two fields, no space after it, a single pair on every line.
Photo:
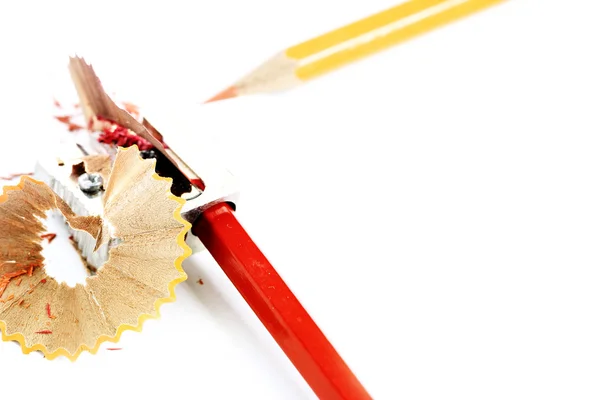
[276,306]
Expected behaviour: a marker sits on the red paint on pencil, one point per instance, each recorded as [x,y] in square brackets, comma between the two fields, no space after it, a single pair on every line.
[44,332]
[198,183]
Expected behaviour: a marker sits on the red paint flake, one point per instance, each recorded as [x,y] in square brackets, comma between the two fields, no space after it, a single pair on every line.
[65,119]
[43,281]
[57,104]
[49,236]
[49,312]
[21,302]
[30,270]
[122,137]
[75,127]
[44,332]
[200,281]
[113,348]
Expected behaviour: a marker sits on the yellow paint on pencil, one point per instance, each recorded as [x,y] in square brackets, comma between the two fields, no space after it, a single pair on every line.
[378,32]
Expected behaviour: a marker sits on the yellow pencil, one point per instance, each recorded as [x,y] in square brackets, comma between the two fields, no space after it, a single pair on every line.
[332,50]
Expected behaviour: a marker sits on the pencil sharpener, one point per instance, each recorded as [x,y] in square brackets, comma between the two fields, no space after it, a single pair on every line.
[198,180]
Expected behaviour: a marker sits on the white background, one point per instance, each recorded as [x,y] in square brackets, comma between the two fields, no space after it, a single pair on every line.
[435,208]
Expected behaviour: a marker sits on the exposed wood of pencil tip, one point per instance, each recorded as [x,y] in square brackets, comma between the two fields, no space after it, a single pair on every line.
[228,93]
[96,103]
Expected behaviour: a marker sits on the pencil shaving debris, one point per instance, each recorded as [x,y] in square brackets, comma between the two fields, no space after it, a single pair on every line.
[49,308]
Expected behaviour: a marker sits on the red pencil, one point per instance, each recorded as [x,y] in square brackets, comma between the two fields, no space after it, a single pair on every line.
[276,306]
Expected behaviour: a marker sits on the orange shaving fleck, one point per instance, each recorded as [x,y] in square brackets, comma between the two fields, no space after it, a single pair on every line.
[18,282]
[21,302]
[6,278]
[15,274]
[27,305]
[12,296]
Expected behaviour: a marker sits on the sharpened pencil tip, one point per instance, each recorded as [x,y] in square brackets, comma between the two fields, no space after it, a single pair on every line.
[228,93]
